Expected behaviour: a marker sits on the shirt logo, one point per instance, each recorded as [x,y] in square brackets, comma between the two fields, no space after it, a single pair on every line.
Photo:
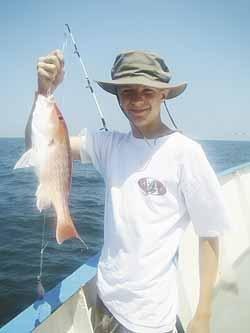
[151,186]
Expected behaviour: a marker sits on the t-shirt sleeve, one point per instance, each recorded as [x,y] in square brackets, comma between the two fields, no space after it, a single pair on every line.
[94,148]
[203,194]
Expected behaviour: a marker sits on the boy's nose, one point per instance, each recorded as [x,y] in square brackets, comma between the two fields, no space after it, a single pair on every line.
[137,98]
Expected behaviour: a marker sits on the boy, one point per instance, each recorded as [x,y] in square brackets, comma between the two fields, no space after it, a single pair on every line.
[157,181]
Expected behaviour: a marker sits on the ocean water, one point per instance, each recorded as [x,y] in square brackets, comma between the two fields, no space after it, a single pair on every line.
[21,224]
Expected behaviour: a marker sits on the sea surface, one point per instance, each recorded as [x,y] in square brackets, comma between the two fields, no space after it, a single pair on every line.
[21,224]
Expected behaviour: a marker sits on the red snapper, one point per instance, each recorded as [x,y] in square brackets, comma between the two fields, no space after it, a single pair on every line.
[51,156]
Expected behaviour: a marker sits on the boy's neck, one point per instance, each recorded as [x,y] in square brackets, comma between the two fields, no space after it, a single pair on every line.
[151,133]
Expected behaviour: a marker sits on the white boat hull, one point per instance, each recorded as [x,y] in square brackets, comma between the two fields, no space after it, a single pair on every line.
[75,315]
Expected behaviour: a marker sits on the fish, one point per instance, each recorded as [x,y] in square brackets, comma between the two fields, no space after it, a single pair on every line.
[51,157]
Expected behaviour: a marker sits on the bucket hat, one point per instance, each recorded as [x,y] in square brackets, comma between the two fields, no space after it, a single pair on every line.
[142,68]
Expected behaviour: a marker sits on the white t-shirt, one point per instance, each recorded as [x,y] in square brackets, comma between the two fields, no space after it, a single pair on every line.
[153,190]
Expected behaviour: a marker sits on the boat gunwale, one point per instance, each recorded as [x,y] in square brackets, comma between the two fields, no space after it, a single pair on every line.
[40,310]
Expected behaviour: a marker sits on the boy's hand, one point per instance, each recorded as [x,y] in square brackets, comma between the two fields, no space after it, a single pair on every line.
[199,325]
[50,72]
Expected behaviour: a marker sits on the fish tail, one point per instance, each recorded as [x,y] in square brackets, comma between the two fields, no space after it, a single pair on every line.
[66,230]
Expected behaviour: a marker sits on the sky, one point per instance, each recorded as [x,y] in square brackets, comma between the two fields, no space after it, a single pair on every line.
[205,43]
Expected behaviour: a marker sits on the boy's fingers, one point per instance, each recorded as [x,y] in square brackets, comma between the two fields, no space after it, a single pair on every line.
[43,74]
[52,59]
[51,68]
[58,53]
[60,56]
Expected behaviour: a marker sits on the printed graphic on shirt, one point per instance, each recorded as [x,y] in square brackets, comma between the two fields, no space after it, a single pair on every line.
[151,186]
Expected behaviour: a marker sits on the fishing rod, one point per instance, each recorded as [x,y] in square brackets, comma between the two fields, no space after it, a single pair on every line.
[89,86]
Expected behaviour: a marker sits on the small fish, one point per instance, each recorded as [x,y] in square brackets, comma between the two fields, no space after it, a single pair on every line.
[51,156]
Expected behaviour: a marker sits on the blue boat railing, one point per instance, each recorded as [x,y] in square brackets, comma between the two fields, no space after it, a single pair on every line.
[35,314]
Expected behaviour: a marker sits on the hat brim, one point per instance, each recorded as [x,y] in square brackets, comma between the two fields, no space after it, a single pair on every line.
[173,90]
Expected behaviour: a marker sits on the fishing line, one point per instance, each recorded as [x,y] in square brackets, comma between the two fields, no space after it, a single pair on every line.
[138,129]
[65,42]
[40,288]
[172,120]
[131,120]
[83,242]
[89,86]
[42,245]
[76,51]
[64,45]
[92,90]
[150,145]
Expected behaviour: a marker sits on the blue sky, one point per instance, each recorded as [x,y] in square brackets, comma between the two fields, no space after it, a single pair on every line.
[205,43]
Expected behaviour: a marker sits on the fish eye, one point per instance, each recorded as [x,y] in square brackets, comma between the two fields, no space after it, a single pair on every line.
[60,117]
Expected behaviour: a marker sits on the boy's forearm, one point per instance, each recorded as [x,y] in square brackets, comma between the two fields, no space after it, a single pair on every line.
[208,266]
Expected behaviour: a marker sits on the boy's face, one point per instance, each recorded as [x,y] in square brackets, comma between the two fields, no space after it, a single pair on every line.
[142,104]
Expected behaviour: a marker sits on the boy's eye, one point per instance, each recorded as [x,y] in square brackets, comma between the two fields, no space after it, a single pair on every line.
[126,92]
[148,91]
[130,92]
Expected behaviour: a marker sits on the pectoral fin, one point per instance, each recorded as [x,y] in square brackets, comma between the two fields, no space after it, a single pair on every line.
[26,160]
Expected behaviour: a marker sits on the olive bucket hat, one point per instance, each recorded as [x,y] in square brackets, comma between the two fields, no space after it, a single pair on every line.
[142,68]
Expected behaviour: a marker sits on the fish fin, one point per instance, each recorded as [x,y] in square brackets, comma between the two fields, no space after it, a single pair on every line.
[65,229]
[43,201]
[26,160]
